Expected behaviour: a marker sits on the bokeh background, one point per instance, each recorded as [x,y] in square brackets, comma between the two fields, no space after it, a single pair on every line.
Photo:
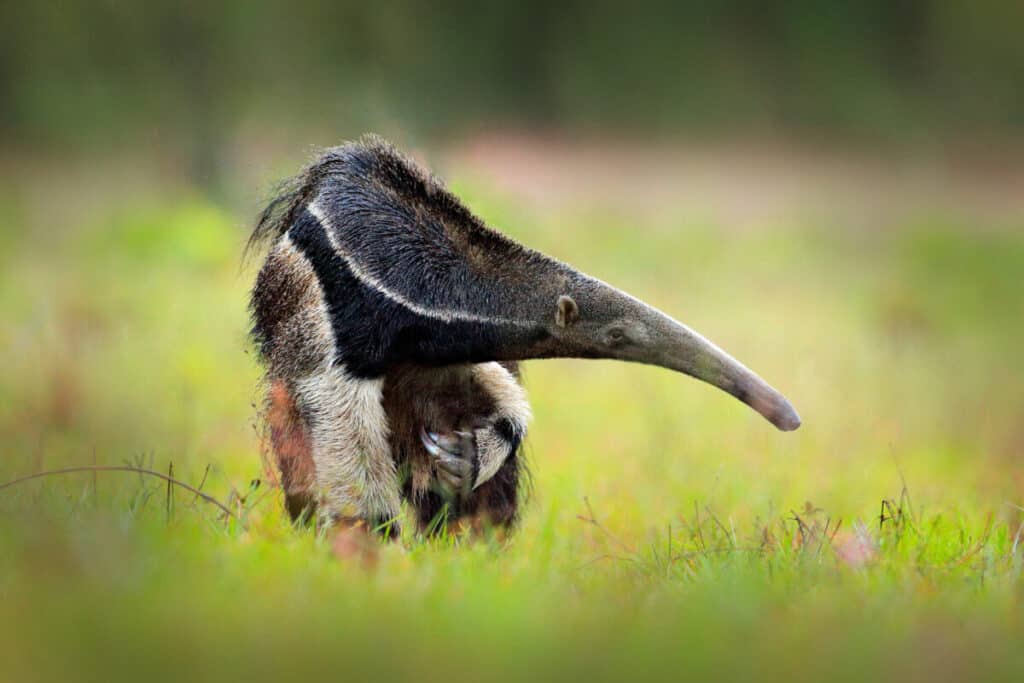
[832,191]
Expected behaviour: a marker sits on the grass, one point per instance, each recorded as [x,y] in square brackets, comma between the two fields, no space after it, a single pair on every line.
[671,532]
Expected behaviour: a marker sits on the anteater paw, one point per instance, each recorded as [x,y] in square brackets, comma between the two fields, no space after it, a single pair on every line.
[453,459]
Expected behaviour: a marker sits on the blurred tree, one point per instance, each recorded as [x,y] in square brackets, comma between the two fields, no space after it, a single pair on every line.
[185,74]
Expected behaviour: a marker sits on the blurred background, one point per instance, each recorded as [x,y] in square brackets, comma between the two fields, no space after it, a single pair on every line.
[832,191]
[201,86]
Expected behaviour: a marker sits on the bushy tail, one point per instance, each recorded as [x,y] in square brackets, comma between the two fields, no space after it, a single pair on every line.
[288,198]
[295,193]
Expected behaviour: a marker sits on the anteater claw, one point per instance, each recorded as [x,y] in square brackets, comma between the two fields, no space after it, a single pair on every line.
[452,455]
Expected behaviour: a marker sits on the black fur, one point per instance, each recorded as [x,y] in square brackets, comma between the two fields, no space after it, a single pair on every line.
[403,229]
[401,226]
[373,332]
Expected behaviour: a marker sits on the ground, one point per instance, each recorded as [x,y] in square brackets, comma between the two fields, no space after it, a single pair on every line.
[671,532]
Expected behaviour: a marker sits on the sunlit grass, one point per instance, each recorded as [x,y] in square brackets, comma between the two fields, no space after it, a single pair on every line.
[670,531]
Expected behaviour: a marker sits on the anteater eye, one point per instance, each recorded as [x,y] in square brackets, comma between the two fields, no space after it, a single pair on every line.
[616,336]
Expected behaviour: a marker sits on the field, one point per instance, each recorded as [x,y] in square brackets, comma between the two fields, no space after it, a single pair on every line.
[671,532]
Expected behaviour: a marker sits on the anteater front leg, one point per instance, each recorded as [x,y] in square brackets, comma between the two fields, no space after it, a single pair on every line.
[459,429]
[355,473]
[494,505]
[492,502]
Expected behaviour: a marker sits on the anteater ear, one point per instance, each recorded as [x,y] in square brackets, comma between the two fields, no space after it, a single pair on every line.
[567,312]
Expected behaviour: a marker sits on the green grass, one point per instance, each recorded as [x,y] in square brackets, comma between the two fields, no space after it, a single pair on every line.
[671,532]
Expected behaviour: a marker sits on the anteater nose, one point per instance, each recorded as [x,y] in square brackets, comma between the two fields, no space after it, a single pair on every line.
[772,405]
[786,418]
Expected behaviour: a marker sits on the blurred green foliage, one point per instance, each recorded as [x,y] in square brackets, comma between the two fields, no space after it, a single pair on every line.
[185,73]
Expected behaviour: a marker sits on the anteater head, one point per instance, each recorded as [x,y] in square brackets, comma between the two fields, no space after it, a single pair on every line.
[412,276]
[599,321]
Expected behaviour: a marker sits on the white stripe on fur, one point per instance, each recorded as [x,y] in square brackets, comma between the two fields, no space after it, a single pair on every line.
[443,314]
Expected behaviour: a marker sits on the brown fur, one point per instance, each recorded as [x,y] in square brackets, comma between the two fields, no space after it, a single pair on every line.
[289,438]
[297,337]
